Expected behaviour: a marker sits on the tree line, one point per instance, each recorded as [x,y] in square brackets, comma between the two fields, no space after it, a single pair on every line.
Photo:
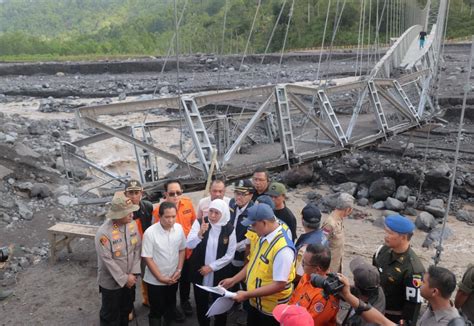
[147,27]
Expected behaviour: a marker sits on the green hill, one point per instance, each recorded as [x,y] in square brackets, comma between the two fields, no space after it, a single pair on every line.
[146,27]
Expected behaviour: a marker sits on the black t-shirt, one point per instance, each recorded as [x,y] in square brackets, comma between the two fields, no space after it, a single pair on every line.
[422,35]
[289,218]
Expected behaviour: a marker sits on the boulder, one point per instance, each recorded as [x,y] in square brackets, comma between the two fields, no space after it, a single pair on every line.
[378,205]
[432,239]
[442,170]
[437,203]
[388,212]
[411,201]
[4,171]
[67,200]
[363,191]
[330,200]
[362,202]
[24,211]
[349,187]
[410,211]
[382,188]
[23,150]
[40,190]
[437,211]
[299,175]
[312,195]
[425,222]
[394,204]
[465,216]
[402,193]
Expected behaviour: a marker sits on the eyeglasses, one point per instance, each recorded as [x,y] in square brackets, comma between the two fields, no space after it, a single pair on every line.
[175,194]
[259,179]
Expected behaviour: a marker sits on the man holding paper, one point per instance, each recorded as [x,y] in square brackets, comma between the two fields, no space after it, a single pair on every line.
[271,267]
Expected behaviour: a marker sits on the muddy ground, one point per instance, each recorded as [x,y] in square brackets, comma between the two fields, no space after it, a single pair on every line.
[66,292]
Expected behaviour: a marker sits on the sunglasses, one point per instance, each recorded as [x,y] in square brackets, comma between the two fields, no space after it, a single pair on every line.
[175,194]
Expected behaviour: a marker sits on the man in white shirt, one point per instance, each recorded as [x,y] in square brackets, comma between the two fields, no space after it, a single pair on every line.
[163,252]
[217,191]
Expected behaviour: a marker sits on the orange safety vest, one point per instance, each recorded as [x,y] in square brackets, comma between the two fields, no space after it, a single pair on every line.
[323,312]
[185,217]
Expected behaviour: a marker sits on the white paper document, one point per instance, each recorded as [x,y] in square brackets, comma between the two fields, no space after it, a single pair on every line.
[222,304]
[218,290]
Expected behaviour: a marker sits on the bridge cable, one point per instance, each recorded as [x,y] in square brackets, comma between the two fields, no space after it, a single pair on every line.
[358,39]
[322,42]
[273,31]
[467,88]
[168,55]
[290,16]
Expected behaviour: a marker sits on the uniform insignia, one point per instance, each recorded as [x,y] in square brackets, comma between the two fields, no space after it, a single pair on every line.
[417,282]
[131,226]
[133,183]
[225,240]
[133,241]
[128,202]
[318,307]
[187,211]
[398,269]
[117,253]
[115,226]
[401,258]
[104,240]
[391,279]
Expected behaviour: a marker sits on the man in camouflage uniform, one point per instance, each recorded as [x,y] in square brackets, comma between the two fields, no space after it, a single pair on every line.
[401,271]
[118,248]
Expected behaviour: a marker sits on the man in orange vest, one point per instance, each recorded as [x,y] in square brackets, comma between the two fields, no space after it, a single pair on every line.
[185,216]
[143,217]
[323,310]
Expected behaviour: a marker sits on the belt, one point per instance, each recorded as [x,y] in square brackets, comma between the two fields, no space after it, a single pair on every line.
[393,312]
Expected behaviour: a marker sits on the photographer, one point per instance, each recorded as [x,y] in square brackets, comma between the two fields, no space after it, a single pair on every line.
[367,288]
[322,306]
[367,312]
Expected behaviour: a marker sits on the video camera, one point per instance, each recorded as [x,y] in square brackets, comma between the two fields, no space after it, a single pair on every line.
[3,254]
[330,284]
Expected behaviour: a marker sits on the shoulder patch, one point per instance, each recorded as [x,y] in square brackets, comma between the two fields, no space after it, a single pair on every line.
[319,307]
[417,280]
[103,240]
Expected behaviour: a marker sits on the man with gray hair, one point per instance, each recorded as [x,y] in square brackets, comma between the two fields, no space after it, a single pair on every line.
[334,230]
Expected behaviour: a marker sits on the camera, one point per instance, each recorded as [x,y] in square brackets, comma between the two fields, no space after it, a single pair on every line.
[3,254]
[330,284]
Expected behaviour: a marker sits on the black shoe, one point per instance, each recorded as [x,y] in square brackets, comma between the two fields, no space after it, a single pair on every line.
[179,316]
[186,306]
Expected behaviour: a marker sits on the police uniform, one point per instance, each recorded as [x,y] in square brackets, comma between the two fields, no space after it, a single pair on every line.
[400,275]
[118,252]
[333,229]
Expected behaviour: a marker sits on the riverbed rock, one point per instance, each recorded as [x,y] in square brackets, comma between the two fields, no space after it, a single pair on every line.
[378,205]
[425,222]
[349,187]
[464,216]
[382,188]
[394,204]
[402,193]
[432,239]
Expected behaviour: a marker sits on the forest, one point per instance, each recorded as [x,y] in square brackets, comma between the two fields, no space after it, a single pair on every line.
[37,29]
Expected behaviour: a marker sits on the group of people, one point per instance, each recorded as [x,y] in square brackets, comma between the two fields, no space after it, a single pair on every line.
[248,244]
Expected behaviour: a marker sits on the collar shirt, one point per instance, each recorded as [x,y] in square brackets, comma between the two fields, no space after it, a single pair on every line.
[333,229]
[283,259]
[118,253]
[439,317]
[164,247]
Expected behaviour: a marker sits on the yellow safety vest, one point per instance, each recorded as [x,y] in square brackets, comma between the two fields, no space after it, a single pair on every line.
[260,270]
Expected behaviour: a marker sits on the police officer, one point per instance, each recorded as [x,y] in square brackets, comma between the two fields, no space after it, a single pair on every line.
[118,246]
[143,217]
[400,271]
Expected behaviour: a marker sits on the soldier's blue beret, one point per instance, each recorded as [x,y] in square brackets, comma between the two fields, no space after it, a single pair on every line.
[399,224]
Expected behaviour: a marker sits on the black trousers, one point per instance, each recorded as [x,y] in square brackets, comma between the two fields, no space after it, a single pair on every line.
[185,282]
[116,305]
[256,318]
[202,306]
[162,299]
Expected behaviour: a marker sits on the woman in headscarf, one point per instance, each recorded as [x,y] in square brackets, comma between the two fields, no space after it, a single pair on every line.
[213,242]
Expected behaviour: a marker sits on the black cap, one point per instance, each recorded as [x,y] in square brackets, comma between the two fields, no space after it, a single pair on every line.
[132,185]
[311,215]
[244,185]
